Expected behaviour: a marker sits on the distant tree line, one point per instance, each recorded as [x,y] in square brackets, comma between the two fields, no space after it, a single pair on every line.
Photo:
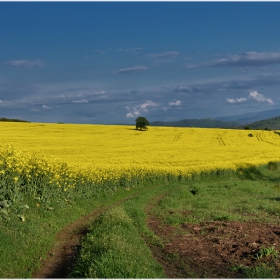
[11,120]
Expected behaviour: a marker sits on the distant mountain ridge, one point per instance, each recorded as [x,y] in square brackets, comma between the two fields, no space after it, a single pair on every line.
[255,120]
[203,123]
[251,117]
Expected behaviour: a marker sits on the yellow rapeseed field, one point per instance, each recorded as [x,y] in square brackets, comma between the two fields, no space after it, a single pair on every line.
[157,148]
[109,152]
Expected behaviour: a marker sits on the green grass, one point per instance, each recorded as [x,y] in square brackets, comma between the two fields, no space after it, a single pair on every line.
[116,245]
[118,238]
[267,252]
[221,199]
[24,243]
[252,195]
[214,198]
[114,249]
[259,271]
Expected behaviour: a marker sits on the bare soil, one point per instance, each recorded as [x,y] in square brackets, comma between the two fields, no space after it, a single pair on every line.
[211,249]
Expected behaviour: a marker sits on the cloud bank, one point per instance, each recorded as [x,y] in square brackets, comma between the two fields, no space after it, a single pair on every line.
[246,59]
[24,64]
[164,56]
[132,70]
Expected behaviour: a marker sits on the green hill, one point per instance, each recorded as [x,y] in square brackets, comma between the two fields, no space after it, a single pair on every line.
[272,123]
[203,123]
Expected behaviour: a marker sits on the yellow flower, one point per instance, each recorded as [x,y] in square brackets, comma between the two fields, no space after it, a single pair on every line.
[96,154]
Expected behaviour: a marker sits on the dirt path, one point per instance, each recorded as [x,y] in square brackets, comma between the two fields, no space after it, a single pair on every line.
[212,249]
[63,255]
[65,251]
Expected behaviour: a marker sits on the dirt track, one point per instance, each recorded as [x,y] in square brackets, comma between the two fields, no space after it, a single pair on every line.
[63,255]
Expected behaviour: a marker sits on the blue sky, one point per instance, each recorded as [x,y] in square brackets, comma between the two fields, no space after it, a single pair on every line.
[110,62]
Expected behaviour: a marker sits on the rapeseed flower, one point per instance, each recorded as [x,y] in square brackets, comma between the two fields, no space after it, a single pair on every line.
[73,157]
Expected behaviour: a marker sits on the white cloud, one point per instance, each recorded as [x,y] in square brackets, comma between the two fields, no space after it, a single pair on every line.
[176,103]
[259,97]
[80,101]
[182,89]
[46,107]
[254,95]
[236,100]
[132,69]
[269,101]
[129,115]
[25,64]
[246,59]
[131,51]
[147,104]
[140,109]
[134,112]
[164,56]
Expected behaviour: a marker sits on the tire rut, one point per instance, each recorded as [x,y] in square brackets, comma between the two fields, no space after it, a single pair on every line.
[154,224]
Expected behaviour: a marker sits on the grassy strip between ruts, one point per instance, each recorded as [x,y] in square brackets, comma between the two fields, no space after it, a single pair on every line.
[114,248]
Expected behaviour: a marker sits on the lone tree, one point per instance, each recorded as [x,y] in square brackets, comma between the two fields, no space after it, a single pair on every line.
[141,123]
